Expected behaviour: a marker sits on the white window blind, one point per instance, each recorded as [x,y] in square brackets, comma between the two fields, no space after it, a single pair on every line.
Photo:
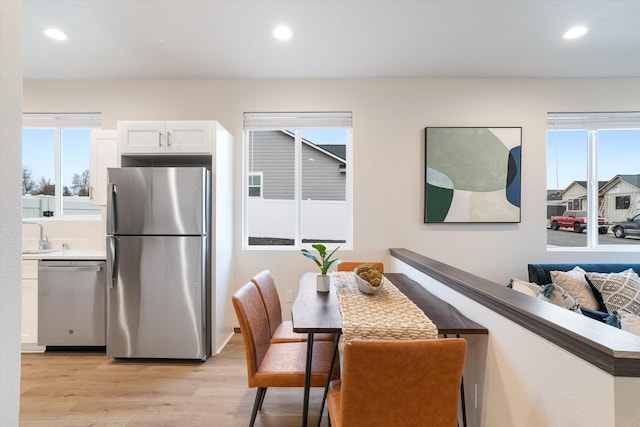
[62,120]
[593,121]
[306,120]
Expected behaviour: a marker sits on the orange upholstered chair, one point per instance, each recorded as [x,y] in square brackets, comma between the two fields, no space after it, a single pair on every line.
[275,364]
[351,265]
[398,383]
[281,330]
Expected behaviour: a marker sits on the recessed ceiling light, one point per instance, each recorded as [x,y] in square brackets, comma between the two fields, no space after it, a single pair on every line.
[282,33]
[575,32]
[55,34]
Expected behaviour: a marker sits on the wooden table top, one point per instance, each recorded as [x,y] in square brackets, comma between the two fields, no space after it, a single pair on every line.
[319,312]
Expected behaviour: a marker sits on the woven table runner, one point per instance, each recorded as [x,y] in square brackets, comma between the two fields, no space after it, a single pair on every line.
[386,315]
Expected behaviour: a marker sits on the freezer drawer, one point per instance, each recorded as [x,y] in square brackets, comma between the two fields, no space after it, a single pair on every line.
[157,297]
[71,303]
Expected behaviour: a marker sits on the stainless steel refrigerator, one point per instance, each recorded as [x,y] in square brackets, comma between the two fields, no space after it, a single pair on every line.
[158,263]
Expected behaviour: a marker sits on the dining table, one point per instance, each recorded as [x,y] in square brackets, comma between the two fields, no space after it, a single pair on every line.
[319,312]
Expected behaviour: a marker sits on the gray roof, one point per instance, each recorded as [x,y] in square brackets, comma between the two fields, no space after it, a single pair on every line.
[631,179]
[336,150]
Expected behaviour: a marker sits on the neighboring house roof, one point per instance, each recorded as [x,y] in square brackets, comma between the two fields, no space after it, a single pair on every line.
[338,152]
[630,179]
[554,195]
[583,184]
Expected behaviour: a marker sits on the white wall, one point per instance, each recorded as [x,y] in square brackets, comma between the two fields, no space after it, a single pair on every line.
[389,117]
[10,214]
[524,380]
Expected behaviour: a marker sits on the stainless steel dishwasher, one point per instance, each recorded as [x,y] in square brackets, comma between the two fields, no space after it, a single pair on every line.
[71,303]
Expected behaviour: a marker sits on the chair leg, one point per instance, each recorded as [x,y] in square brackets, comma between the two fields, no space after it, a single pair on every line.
[257,404]
[264,393]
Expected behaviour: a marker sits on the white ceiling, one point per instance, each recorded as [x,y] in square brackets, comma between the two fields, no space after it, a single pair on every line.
[194,39]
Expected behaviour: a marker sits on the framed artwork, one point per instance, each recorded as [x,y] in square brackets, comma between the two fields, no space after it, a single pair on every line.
[472,174]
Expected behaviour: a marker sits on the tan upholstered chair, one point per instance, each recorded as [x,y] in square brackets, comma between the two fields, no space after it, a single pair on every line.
[275,364]
[398,383]
[281,330]
[351,265]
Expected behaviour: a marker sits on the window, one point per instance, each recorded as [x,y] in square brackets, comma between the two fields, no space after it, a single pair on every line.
[592,161]
[623,202]
[55,164]
[298,180]
[255,184]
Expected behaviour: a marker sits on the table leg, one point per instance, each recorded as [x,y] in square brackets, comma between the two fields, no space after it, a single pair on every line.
[307,380]
[326,387]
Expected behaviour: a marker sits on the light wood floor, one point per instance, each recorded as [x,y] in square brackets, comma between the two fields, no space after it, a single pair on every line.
[90,389]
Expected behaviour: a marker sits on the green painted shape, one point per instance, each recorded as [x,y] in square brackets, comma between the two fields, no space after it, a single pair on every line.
[474,158]
[438,201]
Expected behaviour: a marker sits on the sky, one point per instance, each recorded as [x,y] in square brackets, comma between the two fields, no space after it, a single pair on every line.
[618,154]
[38,153]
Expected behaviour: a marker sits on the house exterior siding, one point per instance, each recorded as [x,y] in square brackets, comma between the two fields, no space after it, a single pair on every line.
[272,154]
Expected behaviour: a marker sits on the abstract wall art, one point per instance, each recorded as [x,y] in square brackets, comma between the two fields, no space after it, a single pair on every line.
[472,174]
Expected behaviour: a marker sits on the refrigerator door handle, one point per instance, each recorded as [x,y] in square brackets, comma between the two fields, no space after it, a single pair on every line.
[111,214]
[112,262]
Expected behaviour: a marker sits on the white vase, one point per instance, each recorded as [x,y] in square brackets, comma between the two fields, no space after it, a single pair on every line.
[323,283]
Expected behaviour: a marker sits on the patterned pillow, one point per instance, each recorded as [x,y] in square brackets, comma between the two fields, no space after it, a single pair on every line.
[558,296]
[550,293]
[620,291]
[573,281]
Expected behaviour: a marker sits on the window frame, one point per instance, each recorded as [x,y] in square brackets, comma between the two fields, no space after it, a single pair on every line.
[60,122]
[297,122]
[592,123]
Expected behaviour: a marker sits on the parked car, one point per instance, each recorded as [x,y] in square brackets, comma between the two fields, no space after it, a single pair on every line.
[578,221]
[630,227]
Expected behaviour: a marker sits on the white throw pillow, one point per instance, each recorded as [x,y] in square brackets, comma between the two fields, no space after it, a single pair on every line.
[531,289]
[574,282]
[629,322]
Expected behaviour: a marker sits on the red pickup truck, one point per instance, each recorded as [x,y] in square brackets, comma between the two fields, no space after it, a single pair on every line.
[578,221]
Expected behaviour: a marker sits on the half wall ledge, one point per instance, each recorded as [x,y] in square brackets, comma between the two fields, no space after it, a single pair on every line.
[615,353]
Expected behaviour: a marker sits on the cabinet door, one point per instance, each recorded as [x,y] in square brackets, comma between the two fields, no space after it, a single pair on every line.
[193,137]
[141,137]
[29,301]
[104,154]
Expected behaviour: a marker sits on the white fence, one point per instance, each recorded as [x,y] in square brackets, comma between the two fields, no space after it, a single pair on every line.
[36,206]
[321,219]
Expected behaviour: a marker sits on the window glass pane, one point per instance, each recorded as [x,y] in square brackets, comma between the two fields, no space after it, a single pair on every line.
[38,172]
[272,219]
[619,169]
[566,187]
[75,155]
[324,205]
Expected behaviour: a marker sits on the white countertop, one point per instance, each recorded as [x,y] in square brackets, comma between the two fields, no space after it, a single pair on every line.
[68,254]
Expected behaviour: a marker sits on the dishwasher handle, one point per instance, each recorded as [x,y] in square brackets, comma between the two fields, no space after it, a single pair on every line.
[71,268]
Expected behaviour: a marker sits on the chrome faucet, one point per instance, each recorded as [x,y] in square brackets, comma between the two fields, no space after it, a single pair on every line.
[43,243]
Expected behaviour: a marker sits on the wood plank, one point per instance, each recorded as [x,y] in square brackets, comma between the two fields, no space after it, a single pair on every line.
[79,389]
[446,317]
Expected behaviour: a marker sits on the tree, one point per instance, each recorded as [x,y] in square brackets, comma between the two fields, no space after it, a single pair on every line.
[45,187]
[66,191]
[80,183]
[28,184]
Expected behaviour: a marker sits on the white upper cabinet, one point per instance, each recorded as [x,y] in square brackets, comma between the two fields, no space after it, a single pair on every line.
[104,154]
[172,137]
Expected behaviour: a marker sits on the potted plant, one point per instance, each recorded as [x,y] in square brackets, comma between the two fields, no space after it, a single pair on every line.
[322,281]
